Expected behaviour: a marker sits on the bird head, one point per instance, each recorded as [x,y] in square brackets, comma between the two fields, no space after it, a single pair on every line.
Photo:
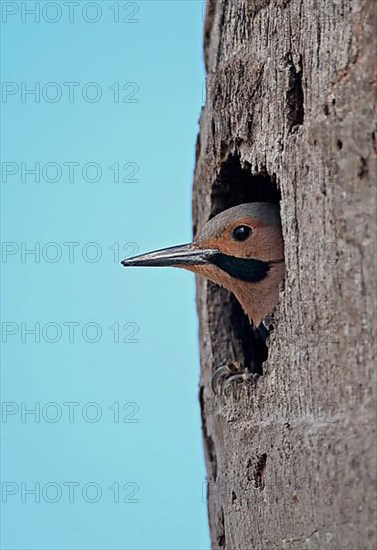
[240,249]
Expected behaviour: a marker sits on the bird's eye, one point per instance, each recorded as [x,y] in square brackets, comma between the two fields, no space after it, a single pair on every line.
[242,232]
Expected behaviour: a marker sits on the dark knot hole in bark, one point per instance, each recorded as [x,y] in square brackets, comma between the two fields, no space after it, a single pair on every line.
[260,469]
[294,94]
[237,184]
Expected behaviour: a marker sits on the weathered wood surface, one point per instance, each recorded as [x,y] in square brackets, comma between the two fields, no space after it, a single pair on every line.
[290,94]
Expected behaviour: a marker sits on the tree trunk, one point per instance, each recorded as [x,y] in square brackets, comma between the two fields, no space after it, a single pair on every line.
[288,116]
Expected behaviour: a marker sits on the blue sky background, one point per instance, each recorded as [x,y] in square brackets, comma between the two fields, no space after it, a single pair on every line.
[154,379]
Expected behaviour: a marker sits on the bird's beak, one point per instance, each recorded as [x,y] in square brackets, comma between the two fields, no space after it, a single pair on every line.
[175,256]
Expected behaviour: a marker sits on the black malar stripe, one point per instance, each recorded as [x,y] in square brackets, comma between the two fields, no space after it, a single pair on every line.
[243,269]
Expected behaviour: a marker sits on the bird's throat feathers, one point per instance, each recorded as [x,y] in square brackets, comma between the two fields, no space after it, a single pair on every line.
[254,282]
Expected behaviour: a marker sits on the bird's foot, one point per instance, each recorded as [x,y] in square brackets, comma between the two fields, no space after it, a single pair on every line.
[268,321]
[230,374]
[265,328]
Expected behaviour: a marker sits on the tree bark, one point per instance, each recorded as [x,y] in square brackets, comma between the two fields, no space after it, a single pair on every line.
[291,460]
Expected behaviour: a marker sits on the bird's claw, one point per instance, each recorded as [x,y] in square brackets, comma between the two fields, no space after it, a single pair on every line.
[242,377]
[226,375]
[219,373]
[265,328]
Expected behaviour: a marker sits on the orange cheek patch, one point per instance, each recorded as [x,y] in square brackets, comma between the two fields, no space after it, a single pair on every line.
[212,243]
[266,243]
